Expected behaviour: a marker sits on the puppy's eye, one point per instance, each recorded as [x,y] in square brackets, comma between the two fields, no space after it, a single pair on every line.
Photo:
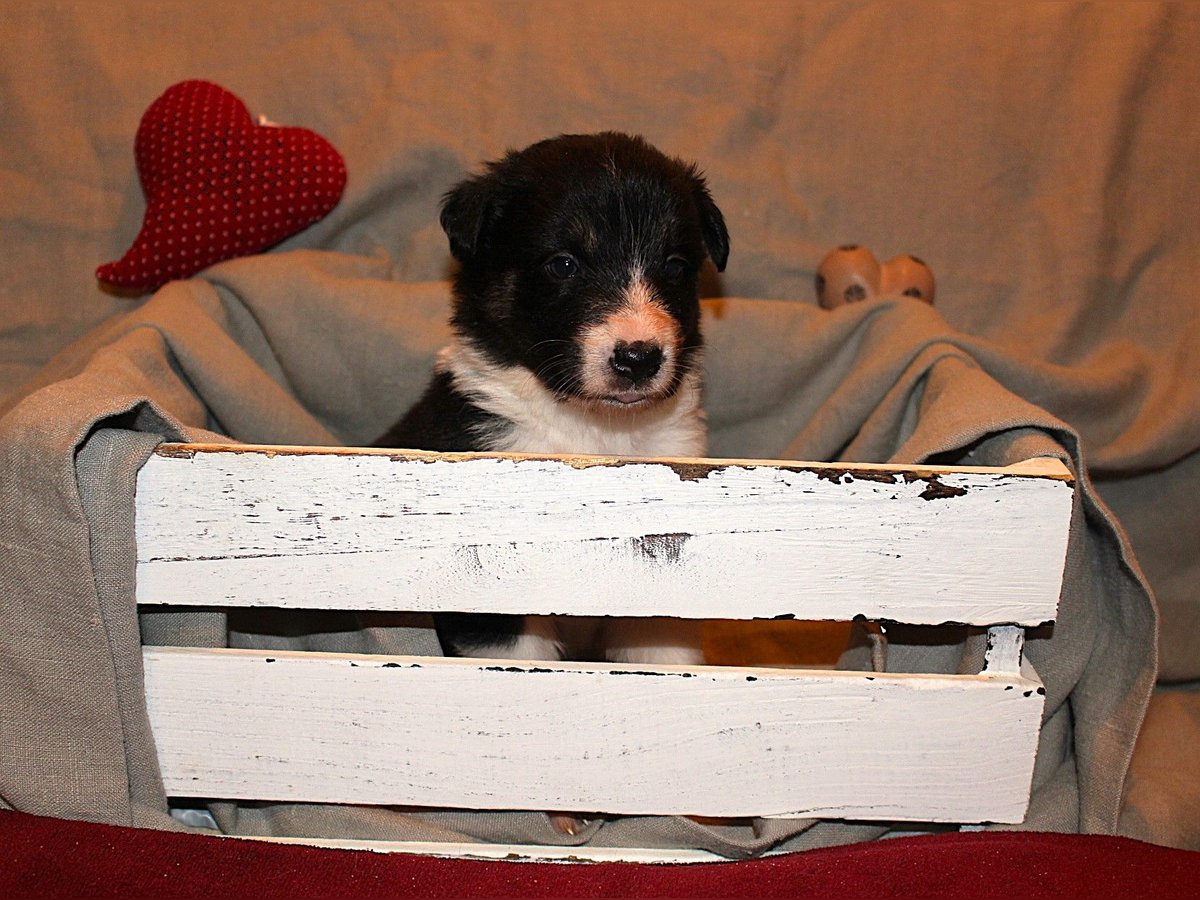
[675,267]
[562,266]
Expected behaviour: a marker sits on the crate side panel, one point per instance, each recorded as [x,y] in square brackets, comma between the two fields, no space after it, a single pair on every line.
[618,739]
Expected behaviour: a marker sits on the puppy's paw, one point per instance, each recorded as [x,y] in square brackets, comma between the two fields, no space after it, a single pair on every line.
[654,641]
[567,824]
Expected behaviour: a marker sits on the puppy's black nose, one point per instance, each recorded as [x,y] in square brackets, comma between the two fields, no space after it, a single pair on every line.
[638,361]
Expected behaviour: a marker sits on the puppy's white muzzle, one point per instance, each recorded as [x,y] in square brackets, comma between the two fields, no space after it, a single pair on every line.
[631,356]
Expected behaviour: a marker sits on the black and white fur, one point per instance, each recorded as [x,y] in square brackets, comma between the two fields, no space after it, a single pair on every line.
[577,330]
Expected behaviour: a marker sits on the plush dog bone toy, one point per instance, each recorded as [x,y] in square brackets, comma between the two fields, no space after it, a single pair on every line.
[851,273]
[218,185]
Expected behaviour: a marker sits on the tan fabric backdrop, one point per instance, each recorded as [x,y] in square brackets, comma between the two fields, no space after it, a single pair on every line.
[1044,158]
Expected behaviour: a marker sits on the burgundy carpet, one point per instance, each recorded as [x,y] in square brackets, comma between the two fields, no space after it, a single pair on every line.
[53,858]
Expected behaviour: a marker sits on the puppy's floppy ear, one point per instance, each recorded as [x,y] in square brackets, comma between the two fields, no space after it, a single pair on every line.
[712,224]
[467,211]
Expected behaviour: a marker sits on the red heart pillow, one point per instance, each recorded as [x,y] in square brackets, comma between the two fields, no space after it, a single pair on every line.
[219,186]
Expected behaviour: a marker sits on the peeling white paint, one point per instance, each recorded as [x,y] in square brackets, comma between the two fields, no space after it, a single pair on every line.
[598,737]
[700,539]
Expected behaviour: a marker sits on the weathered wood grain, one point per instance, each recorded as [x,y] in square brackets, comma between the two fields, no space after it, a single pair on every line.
[507,852]
[598,737]
[236,526]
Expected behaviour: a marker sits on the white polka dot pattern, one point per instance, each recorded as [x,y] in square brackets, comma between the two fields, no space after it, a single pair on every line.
[219,186]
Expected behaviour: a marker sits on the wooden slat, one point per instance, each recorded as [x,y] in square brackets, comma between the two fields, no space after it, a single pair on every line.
[508,852]
[597,737]
[252,526]
[1005,645]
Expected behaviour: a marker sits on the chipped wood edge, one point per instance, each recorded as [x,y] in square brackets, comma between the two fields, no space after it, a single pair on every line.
[515,853]
[688,467]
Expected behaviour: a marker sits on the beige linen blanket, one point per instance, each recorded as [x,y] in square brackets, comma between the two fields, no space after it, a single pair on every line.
[323,348]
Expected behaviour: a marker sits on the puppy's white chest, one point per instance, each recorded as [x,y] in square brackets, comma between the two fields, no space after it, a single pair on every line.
[559,428]
[532,420]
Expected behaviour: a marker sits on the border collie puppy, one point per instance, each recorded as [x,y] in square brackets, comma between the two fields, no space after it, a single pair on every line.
[576,330]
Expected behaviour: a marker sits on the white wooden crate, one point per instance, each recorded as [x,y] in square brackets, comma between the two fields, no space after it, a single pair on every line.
[373,530]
